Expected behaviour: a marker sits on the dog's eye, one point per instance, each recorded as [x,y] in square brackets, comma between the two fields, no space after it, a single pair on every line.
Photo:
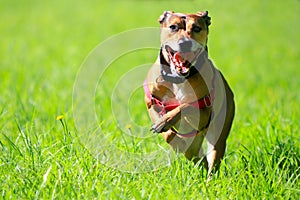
[174,28]
[196,29]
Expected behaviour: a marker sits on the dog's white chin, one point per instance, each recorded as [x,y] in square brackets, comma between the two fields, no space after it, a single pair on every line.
[180,74]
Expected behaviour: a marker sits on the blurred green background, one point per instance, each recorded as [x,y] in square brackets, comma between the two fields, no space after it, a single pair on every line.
[43,44]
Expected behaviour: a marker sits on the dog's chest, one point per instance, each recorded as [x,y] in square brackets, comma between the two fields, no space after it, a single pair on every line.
[184,92]
[190,90]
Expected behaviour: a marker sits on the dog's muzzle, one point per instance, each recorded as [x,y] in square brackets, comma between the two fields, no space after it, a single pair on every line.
[183,55]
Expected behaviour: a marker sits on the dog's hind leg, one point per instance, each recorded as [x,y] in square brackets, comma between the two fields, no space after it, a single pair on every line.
[217,142]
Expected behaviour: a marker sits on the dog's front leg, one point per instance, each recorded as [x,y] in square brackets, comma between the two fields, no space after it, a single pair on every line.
[168,120]
[169,135]
[218,133]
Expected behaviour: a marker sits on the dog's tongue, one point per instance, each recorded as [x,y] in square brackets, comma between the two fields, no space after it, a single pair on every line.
[182,57]
[181,60]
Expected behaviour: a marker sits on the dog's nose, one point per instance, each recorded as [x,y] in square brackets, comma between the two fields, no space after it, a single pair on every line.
[185,45]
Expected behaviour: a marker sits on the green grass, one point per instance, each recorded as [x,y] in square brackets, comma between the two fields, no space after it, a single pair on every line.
[43,44]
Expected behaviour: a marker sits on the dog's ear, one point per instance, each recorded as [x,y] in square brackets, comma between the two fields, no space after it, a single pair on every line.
[205,16]
[164,15]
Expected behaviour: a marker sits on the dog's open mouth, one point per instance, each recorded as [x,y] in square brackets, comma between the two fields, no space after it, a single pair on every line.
[182,61]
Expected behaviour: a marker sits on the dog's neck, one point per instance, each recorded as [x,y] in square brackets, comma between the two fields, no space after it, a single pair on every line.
[175,78]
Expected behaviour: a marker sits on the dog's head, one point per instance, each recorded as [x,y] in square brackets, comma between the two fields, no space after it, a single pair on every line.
[183,39]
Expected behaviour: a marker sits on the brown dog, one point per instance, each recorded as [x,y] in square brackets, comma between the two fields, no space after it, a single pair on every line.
[188,99]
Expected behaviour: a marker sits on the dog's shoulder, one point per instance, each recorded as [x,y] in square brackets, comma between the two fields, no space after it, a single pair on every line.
[157,86]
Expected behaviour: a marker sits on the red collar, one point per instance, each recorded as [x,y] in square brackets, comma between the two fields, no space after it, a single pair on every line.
[163,108]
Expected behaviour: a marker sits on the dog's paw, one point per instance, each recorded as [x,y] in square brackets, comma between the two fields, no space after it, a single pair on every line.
[159,125]
[162,124]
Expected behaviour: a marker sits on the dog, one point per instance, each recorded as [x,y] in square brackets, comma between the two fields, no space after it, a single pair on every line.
[187,97]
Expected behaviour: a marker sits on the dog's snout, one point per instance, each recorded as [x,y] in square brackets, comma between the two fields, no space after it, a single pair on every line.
[185,45]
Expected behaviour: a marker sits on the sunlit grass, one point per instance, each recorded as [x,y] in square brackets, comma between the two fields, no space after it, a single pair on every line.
[43,44]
